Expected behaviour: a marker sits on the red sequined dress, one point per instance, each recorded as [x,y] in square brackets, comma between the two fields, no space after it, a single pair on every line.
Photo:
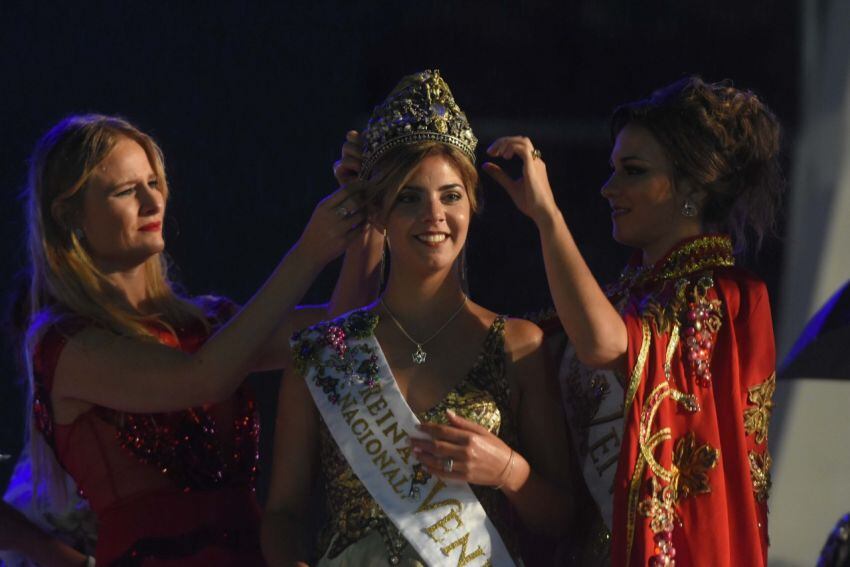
[168,489]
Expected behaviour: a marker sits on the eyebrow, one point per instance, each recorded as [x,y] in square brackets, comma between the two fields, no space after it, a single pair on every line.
[629,158]
[446,187]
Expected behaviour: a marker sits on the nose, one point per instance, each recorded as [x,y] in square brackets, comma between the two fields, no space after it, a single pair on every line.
[609,188]
[433,210]
[150,200]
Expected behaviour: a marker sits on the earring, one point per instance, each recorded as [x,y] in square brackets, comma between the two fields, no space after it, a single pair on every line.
[689,209]
[461,268]
[78,232]
[384,261]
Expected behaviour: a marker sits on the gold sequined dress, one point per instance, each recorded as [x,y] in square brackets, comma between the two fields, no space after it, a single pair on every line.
[357,532]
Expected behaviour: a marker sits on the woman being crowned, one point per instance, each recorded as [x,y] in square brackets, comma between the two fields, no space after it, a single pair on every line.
[431,416]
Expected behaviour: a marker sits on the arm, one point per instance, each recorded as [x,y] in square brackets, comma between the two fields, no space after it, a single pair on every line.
[358,285]
[359,281]
[21,536]
[296,441]
[592,323]
[102,368]
[537,481]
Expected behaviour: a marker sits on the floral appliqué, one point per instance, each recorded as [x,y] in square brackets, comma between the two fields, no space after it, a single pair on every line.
[358,363]
[757,418]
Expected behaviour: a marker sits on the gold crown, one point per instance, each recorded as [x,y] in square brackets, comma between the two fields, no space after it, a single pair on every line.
[420,108]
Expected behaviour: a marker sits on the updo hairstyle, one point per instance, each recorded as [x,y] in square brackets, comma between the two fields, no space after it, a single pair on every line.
[722,140]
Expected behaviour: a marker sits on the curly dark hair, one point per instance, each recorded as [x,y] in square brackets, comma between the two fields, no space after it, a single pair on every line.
[722,140]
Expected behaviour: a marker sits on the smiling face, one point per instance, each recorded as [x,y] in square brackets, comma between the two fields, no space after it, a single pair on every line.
[123,208]
[428,222]
[645,206]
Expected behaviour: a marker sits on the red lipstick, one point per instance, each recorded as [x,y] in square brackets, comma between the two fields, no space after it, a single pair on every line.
[151,227]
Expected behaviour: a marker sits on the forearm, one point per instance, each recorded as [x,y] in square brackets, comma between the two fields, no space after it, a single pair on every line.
[359,280]
[232,352]
[281,540]
[358,285]
[593,325]
[543,506]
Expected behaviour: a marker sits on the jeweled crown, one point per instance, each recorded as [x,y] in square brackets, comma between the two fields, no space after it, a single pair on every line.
[420,108]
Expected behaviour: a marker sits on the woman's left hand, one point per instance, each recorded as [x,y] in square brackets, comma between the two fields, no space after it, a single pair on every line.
[463,450]
[531,193]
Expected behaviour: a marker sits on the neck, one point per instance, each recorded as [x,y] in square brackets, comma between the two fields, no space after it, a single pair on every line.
[131,282]
[658,250]
[423,303]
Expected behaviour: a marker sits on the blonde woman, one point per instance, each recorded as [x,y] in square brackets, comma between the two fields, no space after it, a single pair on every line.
[136,391]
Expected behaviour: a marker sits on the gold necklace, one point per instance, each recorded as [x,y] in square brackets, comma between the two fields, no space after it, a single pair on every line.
[419,356]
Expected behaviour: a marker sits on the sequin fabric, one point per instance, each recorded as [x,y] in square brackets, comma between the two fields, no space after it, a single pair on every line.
[185,445]
[482,396]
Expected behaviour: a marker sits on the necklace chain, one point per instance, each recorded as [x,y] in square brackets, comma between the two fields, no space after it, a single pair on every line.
[419,356]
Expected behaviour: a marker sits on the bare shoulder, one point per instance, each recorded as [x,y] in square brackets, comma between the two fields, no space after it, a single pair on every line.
[522,337]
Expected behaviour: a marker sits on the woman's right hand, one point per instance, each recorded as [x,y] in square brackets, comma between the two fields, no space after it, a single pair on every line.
[335,222]
[531,193]
[347,167]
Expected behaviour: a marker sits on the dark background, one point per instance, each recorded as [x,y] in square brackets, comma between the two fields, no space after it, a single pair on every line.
[250,103]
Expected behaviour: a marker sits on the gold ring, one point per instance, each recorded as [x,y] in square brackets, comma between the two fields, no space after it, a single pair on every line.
[536,154]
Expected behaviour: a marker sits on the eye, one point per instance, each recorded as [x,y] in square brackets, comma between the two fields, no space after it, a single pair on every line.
[123,192]
[153,183]
[634,170]
[407,197]
[452,196]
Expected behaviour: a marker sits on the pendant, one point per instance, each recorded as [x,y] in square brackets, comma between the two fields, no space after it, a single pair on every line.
[419,355]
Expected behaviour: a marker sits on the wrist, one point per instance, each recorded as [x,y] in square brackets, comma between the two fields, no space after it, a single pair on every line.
[548,218]
[515,475]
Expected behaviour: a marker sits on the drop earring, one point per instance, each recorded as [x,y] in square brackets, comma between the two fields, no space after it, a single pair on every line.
[689,208]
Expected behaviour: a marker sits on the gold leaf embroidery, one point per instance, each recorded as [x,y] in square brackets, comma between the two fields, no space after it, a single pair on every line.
[691,464]
[757,418]
[760,473]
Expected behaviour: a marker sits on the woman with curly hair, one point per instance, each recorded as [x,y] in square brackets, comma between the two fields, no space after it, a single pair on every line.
[669,374]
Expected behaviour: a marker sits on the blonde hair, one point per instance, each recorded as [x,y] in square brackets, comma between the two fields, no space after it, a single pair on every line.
[396,167]
[65,282]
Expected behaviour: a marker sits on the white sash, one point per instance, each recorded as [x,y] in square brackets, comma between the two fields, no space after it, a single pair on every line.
[593,402]
[357,395]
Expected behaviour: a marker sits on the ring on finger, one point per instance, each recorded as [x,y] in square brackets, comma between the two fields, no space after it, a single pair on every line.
[448,464]
[342,211]
[536,154]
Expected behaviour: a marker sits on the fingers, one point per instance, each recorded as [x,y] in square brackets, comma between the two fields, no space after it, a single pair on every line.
[498,174]
[352,147]
[342,197]
[465,424]
[438,432]
[436,465]
[348,166]
[510,146]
